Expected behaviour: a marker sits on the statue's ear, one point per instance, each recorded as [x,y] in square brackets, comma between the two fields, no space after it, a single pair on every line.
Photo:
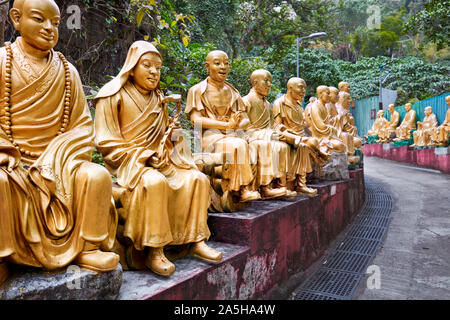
[207,67]
[15,15]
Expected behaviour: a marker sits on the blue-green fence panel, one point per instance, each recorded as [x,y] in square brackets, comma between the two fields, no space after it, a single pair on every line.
[362,111]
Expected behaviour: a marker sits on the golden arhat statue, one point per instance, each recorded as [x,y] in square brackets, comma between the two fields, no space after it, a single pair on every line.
[440,136]
[385,133]
[403,131]
[320,124]
[289,117]
[331,106]
[166,197]
[346,126]
[379,123]
[217,108]
[267,148]
[422,136]
[55,205]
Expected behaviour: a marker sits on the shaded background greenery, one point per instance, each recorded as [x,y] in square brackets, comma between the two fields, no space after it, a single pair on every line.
[262,34]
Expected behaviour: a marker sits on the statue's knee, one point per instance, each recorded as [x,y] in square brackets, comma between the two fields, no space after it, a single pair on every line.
[95,174]
[152,180]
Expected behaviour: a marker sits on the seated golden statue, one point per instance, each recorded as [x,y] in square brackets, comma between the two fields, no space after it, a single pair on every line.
[379,123]
[55,205]
[306,112]
[331,107]
[266,149]
[403,131]
[217,108]
[346,122]
[289,117]
[440,135]
[167,197]
[422,136]
[320,124]
[389,129]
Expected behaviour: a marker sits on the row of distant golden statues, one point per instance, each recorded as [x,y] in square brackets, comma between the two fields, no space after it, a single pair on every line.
[427,132]
[57,207]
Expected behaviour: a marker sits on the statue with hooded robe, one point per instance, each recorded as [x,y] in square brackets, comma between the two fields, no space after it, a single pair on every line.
[55,204]
[167,197]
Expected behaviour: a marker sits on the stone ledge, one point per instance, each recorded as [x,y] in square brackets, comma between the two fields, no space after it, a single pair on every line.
[71,283]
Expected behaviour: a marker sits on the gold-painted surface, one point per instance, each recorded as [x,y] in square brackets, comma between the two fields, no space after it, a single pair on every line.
[379,123]
[440,135]
[166,197]
[402,132]
[346,124]
[217,108]
[422,136]
[56,206]
[320,123]
[390,127]
[270,155]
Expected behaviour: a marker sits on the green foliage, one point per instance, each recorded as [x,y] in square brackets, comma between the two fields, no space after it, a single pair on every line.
[433,22]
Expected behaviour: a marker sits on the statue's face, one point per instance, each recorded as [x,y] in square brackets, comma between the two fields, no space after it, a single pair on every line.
[334,96]
[262,84]
[38,24]
[325,95]
[147,72]
[298,90]
[447,99]
[218,66]
[381,115]
[345,87]
[407,106]
[391,108]
[428,111]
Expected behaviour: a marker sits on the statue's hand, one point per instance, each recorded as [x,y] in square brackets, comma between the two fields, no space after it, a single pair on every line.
[234,121]
[8,161]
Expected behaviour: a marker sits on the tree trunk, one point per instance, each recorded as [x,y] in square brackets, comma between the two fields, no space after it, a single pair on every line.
[4,7]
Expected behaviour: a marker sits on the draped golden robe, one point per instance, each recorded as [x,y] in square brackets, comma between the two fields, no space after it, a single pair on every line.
[440,135]
[390,127]
[322,130]
[379,123]
[422,136]
[409,123]
[292,118]
[51,205]
[167,202]
[238,171]
[272,157]
[347,130]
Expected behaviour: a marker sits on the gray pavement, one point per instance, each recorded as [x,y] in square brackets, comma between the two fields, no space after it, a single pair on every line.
[414,259]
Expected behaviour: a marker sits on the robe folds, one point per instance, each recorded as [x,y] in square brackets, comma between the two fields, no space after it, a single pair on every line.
[167,198]
[422,136]
[441,134]
[271,156]
[52,204]
[378,124]
[238,170]
[293,120]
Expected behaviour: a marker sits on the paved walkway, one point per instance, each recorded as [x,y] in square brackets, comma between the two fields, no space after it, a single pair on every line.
[414,260]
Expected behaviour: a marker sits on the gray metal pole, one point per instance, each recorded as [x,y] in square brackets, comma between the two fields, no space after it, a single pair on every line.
[298,68]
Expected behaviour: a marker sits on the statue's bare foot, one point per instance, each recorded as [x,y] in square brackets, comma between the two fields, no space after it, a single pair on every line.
[202,251]
[158,263]
[97,260]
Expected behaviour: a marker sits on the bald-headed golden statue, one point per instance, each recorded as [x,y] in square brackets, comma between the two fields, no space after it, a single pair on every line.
[390,127]
[422,136]
[320,124]
[55,205]
[440,135]
[403,131]
[379,123]
[166,199]
[216,107]
[267,148]
[290,119]
[346,125]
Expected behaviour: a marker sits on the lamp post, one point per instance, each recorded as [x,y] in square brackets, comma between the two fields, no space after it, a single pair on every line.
[311,36]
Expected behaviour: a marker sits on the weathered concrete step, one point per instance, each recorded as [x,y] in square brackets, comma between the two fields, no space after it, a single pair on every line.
[193,278]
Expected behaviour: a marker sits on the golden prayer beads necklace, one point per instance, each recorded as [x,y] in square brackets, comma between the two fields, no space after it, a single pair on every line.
[7,97]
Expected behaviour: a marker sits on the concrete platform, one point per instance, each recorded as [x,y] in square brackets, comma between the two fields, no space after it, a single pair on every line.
[432,158]
[263,246]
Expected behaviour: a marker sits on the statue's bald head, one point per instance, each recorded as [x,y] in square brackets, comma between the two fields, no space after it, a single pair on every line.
[344,86]
[215,54]
[217,65]
[19,4]
[259,74]
[295,81]
[447,99]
